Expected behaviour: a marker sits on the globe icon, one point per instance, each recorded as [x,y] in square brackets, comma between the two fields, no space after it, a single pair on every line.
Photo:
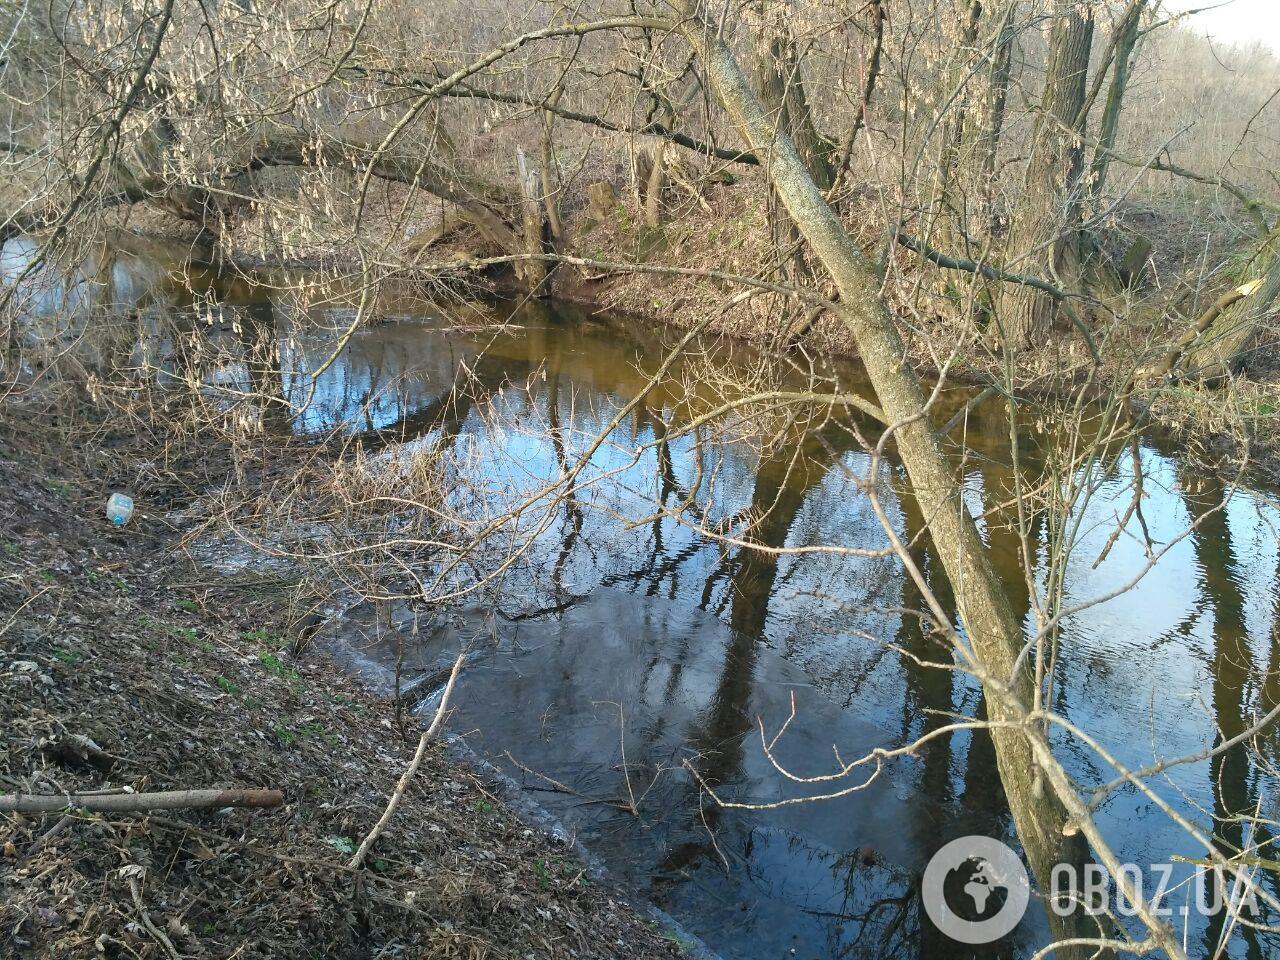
[974,891]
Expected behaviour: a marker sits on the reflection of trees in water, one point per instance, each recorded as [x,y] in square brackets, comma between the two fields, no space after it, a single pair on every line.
[777,496]
[782,483]
[105,310]
[1233,672]
[745,580]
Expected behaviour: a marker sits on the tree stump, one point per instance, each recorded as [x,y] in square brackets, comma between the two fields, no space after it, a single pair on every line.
[602,201]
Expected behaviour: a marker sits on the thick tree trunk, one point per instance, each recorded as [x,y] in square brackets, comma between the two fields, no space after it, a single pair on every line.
[651,180]
[997,101]
[533,227]
[781,88]
[1043,237]
[550,189]
[476,200]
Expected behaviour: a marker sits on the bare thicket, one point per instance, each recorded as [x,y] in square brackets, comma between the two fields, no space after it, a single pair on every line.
[999,190]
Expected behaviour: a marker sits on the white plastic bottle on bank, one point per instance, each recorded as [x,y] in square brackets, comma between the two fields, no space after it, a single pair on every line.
[119,509]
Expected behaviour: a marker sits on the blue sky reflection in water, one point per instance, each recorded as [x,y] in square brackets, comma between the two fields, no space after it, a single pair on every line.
[663,647]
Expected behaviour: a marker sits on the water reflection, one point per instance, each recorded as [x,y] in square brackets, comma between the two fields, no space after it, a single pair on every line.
[633,649]
[666,648]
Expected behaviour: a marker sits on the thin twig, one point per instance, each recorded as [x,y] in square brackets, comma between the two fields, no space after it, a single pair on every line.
[147,922]
[398,794]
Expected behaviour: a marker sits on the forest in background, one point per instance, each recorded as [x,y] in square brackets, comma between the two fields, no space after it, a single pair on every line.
[377,133]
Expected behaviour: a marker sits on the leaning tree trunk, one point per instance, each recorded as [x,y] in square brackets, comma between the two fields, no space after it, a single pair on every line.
[990,625]
[1220,348]
[1043,234]
[984,609]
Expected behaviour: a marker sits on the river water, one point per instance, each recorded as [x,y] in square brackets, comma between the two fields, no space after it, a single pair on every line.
[630,649]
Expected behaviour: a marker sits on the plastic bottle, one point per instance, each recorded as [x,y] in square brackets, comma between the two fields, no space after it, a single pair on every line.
[119,509]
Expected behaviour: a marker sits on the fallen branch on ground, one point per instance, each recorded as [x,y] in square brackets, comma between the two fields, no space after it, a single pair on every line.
[137,802]
[427,736]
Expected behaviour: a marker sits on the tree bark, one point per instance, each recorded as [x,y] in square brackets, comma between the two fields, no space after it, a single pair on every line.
[997,101]
[990,624]
[1044,230]
[1125,41]
[550,190]
[651,180]
[954,132]
[138,802]
[533,225]
[781,89]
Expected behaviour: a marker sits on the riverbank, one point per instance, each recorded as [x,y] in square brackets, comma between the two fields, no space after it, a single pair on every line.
[125,667]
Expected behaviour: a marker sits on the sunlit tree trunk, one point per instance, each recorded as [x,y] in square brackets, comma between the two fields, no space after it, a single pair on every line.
[533,230]
[1043,237]
[984,610]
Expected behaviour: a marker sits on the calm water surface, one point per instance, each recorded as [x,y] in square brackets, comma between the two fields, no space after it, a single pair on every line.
[629,647]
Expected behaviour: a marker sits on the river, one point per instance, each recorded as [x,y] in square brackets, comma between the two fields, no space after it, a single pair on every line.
[628,648]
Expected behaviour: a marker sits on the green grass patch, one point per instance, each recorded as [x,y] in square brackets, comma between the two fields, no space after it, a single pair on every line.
[318,730]
[274,667]
[263,638]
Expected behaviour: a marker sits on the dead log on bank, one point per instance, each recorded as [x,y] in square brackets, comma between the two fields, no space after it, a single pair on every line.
[139,802]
